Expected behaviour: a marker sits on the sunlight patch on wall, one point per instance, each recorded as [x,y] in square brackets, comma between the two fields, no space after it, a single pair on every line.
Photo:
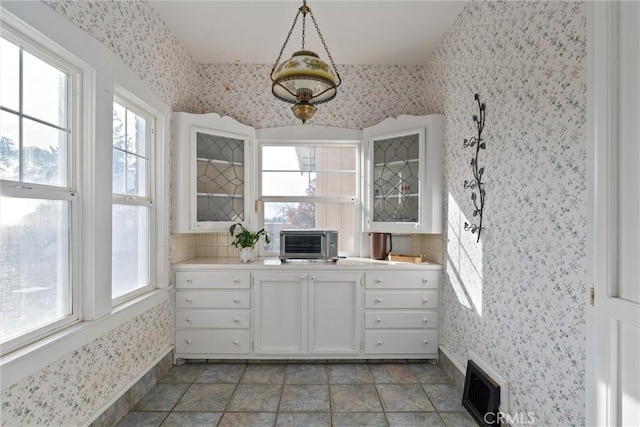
[464,259]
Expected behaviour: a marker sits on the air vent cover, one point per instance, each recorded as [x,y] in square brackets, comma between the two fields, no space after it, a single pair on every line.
[481,396]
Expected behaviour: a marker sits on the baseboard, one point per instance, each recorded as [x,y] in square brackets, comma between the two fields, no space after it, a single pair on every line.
[168,353]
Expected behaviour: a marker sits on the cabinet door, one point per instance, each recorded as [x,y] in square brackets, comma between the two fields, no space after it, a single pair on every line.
[213,167]
[404,174]
[334,307]
[280,317]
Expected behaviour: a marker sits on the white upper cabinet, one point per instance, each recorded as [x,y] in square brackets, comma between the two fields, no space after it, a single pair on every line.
[213,173]
[404,174]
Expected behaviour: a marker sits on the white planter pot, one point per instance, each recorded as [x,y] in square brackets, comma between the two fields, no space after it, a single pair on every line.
[246,254]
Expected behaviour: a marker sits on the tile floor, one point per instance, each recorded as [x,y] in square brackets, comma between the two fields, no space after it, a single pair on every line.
[302,394]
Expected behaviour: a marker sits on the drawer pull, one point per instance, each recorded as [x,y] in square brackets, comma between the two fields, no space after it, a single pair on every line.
[425,280]
[236,300]
[187,341]
[188,319]
[425,342]
[426,321]
[424,301]
[378,300]
[236,280]
[378,280]
[189,280]
[188,300]
[379,343]
[379,321]
[235,342]
[236,320]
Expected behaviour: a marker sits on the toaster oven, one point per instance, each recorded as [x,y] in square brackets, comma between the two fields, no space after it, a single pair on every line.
[309,244]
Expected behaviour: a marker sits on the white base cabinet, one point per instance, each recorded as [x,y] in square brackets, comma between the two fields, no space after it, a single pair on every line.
[339,314]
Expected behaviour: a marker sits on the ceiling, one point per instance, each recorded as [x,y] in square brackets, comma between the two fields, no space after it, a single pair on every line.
[357,32]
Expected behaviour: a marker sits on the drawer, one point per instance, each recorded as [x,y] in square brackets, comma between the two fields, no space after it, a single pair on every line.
[213,299]
[404,319]
[428,279]
[213,280]
[401,342]
[213,342]
[213,319]
[406,299]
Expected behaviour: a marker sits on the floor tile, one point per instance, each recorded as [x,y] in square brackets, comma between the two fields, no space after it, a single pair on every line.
[183,374]
[404,397]
[445,397]
[223,373]
[414,419]
[255,398]
[392,373]
[305,397]
[192,419]
[162,397]
[354,398]
[359,419]
[248,419]
[143,419]
[428,373]
[458,419]
[304,373]
[264,373]
[206,397]
[301,419]
[350,373]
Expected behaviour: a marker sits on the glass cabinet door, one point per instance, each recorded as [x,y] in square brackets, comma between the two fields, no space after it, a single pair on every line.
[396,179]
[220,178]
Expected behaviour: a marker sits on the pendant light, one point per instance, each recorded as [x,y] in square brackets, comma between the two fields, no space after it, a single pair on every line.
[304,79]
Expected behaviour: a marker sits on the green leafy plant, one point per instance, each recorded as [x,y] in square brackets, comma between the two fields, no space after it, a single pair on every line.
[246,238]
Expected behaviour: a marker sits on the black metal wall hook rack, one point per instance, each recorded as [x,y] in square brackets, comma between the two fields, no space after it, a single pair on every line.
[476,185]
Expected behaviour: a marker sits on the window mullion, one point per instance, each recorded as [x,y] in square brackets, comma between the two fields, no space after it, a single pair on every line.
[20,119]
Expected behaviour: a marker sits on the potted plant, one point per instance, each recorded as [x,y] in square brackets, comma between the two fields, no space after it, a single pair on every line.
[246,240]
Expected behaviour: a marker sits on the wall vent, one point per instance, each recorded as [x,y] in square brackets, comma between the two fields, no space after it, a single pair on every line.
[481,396]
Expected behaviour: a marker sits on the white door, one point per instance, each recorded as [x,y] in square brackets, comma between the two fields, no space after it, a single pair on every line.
[280,319]
[334,313]
[613,321]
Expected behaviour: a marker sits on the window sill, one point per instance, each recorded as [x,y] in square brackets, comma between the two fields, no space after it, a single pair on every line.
[25,361]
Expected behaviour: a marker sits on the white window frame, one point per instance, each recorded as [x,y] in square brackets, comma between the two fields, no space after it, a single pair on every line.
[355,200]
[61,59]
[137,106]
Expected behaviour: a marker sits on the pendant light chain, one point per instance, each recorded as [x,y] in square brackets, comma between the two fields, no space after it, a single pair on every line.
[326,49]
[295,20]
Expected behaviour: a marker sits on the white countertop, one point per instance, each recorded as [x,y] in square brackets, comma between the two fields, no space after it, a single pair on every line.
[350,263]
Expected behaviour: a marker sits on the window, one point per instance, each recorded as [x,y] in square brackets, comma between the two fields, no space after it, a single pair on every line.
[310,186]
[132,214]
[38,207]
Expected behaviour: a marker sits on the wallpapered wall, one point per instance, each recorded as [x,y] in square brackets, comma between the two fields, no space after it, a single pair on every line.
[517,298]
[133,31]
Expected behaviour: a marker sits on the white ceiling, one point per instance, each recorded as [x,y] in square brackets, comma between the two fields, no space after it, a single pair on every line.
[356,32]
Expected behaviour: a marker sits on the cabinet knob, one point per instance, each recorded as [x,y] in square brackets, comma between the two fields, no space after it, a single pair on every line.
[188,300]
[187,341]
[425,321]
[188,320]
[189,280]
[378,320]
[424,301]
[379,343]
[236,300]
[378,300]
[425,280]
[313,277]
[235,342]
[301,277]
[425,342]
[378,280]
[238,320]
[236,280]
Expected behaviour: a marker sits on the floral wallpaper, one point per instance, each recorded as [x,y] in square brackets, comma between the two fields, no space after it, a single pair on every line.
[368,95]
[72,389]
[133,31]
[518,297]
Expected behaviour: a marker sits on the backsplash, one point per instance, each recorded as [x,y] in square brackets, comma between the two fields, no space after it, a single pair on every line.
[218,245]
[518,297]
